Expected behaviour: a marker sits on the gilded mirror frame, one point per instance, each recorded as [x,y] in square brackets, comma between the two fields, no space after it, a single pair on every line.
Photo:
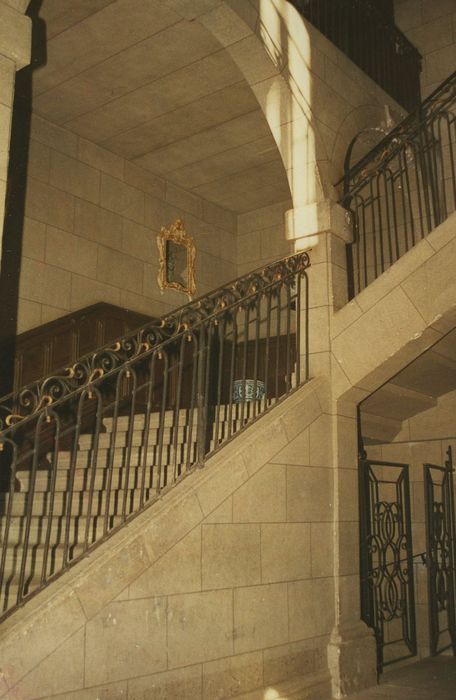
[177,235]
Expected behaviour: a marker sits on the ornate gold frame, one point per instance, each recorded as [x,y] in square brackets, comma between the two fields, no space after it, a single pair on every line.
[177,235]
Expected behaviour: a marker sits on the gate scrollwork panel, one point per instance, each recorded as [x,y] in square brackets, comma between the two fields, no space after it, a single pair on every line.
[440,536]
[387,587]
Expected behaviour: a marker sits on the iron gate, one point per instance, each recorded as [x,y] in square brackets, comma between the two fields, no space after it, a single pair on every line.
[387,586]
[440,545]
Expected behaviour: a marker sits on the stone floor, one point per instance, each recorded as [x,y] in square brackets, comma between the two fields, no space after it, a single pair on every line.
[431,679]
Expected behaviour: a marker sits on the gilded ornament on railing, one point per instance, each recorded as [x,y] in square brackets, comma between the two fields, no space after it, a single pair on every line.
[177,260]
[89,370]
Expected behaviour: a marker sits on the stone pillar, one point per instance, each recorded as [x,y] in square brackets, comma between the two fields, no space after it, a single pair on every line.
[352,650]
[15,47]
[324,229]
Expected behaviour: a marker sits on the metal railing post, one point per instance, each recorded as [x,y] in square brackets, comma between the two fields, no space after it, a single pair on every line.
[201,399]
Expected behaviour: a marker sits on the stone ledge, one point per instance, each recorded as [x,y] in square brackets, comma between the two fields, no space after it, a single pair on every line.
[322,217]
[400,315]
[396,275]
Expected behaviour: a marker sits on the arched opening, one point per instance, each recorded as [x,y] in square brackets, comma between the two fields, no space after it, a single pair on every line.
[128,134]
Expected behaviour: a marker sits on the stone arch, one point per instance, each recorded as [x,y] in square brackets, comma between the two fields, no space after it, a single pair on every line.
[256,37]
[285,62]
[362,118]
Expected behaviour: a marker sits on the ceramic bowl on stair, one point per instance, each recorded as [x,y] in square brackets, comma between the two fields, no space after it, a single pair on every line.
[244,390]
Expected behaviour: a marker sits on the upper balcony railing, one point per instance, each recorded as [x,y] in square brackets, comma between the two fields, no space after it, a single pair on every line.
[403,188]
[369,39]
[88,448]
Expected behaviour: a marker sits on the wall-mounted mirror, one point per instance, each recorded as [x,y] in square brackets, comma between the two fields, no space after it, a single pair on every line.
[177,259]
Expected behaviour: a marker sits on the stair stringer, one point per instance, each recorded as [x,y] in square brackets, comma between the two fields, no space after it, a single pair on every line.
[397,317]
[65,641]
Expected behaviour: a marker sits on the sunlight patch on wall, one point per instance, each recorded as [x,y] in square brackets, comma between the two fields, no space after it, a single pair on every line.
[287,101]
[273,694]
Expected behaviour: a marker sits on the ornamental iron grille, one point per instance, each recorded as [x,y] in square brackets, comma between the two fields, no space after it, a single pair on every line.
[440,542]
[387,588]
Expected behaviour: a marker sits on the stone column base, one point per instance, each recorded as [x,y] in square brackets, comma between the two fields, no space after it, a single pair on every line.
[352,659]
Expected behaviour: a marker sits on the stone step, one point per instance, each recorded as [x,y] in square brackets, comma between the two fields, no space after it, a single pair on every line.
[137,437]
[39,526]
[378,429]
[35,559]
[236,409]
[183,417]
[80,502]
[82,478]
[397,402]
[170,418]
[137,455]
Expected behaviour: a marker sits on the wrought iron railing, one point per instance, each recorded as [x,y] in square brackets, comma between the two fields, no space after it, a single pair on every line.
[404,188]
[362,31]
[86,450]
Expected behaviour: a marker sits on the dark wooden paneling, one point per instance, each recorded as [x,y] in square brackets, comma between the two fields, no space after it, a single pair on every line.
[52,346]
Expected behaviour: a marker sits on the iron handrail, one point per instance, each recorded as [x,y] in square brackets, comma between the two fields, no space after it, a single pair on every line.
[441,98]
[403,188]
[84,451]
[43,392]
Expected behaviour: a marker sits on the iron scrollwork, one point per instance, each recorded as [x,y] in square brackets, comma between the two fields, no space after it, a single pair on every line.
[138,416]
[387,586]
[88,370]
[440,535]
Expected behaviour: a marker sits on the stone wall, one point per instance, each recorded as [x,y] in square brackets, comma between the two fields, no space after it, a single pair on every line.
[262,236]
[223,589]
[92,217]
[90,231]
[431,26]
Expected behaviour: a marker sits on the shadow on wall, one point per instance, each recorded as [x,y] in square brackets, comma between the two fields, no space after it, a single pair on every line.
[15,198]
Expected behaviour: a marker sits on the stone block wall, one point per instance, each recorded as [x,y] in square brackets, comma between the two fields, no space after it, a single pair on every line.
[262,237]
[224,589]
[91,217]
[90,231]
[431,26]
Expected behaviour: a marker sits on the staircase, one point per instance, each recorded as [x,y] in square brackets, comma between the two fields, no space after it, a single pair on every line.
[415,389]
[132,466]
[87,449]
